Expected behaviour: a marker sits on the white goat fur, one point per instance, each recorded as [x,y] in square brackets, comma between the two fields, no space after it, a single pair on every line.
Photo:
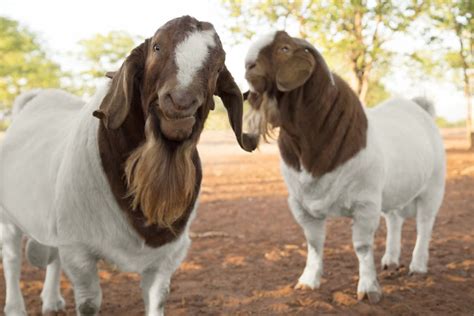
[54,190]
[400,173]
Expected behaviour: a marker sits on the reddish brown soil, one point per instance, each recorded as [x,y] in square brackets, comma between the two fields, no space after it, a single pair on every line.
[253,252]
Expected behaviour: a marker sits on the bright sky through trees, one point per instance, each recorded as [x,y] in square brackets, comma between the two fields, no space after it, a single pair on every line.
[62,24]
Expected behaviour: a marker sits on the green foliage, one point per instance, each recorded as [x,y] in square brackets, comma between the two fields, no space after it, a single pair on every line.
[106,52]
[455,18]
[3,126]
[352,32]
[101,53]
[376,94]
[24,64]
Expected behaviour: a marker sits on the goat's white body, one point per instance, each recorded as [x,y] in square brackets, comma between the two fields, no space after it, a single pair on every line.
[55,190]
[403,164]
[404,155]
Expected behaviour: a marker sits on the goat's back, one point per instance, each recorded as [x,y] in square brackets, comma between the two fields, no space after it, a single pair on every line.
[31,153]
[411,146]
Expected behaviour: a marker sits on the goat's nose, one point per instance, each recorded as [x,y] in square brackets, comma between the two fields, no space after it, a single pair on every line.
[183,100]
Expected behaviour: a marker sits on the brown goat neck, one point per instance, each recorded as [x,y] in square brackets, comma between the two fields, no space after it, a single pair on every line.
[322,125]
[115,148]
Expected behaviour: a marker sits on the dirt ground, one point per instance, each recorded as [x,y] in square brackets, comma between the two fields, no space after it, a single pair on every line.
[248,252]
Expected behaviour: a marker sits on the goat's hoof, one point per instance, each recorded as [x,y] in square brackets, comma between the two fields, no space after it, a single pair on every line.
[14,312]
[391,266]
[87,309]
[417,269]
[55,313]
[374,297]
[415,273]
[303,287]
[55,307]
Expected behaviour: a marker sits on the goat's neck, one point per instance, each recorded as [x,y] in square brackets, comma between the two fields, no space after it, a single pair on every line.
[323,125]
[115,146]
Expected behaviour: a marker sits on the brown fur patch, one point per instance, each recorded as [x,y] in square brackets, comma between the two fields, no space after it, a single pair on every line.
[323,131]
[161,182]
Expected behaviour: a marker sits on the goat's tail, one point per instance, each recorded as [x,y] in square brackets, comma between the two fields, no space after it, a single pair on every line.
[40,255]
[426,104]
[22,100]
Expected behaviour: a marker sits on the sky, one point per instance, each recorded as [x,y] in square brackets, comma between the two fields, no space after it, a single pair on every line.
[61,24]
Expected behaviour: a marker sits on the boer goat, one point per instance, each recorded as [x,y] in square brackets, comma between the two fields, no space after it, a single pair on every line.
[339,159]
[123,188]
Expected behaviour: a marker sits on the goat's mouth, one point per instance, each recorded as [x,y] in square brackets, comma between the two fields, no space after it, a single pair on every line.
[175,127]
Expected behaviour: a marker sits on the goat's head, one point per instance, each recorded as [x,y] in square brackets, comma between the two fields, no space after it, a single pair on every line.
[275,64]
[173,77]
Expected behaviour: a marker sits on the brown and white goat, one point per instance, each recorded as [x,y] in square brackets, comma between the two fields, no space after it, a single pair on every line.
[339,159]
[123,188]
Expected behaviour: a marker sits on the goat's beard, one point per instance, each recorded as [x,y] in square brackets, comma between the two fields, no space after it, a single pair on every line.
[161,182]
[264,120]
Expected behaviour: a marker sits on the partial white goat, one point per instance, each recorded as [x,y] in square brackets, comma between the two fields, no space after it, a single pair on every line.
[123,188]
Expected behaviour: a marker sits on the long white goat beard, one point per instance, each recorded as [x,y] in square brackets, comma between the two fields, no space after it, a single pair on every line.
[265,120]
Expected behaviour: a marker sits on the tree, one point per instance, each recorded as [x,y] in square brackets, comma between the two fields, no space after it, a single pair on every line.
[456,17]
[102,53]
[24,64]
[351,31]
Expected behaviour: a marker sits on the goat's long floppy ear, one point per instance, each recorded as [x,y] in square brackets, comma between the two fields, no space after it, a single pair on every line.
[117,102]
[229,92]
[294,73]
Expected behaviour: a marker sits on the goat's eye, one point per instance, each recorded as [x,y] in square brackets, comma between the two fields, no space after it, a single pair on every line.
[306,50]
[285,49]
[156,48]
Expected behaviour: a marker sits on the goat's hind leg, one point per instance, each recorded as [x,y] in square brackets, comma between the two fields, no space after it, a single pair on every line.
[394,223]
[427,206]
[11,252]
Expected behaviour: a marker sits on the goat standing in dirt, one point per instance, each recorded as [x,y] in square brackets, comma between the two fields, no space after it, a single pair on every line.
[340,159]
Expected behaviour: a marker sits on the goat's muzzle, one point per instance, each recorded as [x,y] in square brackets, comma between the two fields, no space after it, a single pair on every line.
[177,114]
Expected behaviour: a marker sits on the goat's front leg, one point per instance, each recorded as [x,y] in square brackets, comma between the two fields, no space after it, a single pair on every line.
[314,230]
[81,267]
[365,221]
[155,281]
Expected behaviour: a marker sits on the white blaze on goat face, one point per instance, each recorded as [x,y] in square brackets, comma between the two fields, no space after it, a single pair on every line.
[191,54]
[257,46]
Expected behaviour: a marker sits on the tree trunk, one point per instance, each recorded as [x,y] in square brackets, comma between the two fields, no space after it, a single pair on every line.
[467,91]
[360,64]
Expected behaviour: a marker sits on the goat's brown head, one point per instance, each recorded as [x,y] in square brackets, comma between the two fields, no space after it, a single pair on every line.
[173,76]
[275,64]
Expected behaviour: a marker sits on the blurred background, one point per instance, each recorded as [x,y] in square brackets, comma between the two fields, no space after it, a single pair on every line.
[382,48]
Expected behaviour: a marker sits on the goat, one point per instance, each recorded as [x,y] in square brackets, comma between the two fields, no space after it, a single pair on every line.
[340,159]
[123,188]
